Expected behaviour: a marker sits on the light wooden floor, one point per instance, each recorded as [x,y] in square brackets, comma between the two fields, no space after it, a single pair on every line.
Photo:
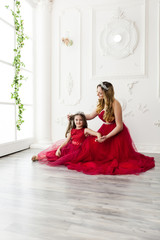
[38,202]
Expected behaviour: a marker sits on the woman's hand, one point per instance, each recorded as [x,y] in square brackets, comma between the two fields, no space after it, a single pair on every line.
[69,116]
[101,139]
[58,152]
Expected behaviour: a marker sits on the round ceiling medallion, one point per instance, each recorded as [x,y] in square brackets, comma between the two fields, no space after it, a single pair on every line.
[119,38]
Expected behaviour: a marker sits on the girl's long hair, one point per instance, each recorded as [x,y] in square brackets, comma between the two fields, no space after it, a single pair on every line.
[108,98]
[71,123]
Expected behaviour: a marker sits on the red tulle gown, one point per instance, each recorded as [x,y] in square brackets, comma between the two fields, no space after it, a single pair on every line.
[70,151]
[116,155]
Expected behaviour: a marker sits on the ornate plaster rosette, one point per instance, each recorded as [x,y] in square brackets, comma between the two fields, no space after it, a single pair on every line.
[43,1]
[119,38]
[69,84]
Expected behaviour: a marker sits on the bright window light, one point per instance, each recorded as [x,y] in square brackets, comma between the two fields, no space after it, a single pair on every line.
[6,42]
[27,126]
[4,13]
[7,123]
[8,131]
[26,90]
[6,78]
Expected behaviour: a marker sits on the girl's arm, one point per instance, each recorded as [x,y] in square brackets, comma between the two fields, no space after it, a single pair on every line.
[91,132]
[58,152]
[118,120]
[91,115]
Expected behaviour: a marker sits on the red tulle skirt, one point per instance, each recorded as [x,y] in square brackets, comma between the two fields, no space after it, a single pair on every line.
[117,155]
[48,156]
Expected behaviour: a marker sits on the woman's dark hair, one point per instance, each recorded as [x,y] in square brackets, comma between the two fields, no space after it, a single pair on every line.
[71,123]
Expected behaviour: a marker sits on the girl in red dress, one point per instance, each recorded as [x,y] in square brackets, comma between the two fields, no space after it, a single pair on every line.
[114,152]
[64,150]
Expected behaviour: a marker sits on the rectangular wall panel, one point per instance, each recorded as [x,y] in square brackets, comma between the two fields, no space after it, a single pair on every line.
[118,41]
[69,57]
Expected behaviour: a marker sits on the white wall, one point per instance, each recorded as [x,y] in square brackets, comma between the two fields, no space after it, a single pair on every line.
[131,65]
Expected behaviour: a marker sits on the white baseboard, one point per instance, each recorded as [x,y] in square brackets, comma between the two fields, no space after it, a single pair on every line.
[144,148]
[12,147]
[41,145]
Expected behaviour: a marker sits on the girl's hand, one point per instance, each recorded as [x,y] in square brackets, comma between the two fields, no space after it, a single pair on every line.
[58,152]
[98,137]
[101,139]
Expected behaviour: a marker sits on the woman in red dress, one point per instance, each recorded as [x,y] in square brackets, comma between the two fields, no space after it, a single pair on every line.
[67,149]
[114,152]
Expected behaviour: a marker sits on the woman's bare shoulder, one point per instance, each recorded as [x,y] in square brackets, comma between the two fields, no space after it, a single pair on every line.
[116,102]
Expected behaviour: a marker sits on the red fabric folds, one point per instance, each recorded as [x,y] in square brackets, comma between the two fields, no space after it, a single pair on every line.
[116,155]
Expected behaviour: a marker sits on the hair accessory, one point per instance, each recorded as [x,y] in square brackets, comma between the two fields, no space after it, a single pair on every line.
[104,86]
[82,113]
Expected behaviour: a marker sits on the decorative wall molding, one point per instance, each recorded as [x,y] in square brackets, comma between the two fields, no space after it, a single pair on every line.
[36,3]
[143,108]
[115,37]
[157,123]
[123,102]
[69,84]
[131,86]
[129,114]
[69,57]
[43,1]
[119,38]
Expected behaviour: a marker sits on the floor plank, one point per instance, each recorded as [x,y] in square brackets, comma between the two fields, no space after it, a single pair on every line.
[38,202]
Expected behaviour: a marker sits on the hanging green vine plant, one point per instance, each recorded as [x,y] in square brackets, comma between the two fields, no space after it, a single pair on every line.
[17,63]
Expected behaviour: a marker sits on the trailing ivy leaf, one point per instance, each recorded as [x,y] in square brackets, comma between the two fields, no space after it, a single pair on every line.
[20,38]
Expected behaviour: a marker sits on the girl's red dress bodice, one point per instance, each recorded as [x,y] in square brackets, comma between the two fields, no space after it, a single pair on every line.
[77,136]
[69,151]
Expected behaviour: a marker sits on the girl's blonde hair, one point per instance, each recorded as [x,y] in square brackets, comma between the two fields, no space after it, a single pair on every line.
[108,98]
[71,123]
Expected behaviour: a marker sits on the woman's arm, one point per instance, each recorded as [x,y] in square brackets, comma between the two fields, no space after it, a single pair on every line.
[118,120]
[58,152]
[91,132]
[91,115]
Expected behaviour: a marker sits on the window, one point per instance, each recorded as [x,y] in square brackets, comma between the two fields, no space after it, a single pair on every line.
[11,139]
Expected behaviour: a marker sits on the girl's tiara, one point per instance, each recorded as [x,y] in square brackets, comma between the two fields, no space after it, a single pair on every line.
[82,113]
[104,86]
